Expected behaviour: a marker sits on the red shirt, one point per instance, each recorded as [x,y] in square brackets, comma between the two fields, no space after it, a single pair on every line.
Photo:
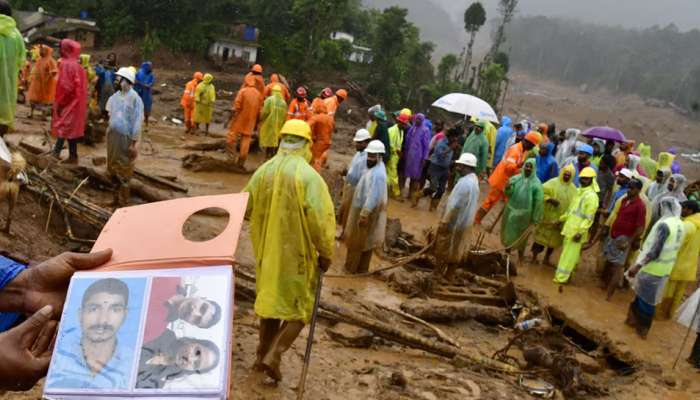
[630,217]
[158,315]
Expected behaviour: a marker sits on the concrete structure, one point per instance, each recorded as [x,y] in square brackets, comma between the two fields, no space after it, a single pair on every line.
[41,27]
[359,54]
[239,47]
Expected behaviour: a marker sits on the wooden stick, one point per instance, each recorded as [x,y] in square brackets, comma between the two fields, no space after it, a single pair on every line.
[413,318]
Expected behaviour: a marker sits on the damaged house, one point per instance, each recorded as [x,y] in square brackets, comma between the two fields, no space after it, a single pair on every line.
[41,27]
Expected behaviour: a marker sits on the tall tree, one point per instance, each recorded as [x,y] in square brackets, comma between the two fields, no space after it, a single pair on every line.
[507,10]
[474,19]
[446,69]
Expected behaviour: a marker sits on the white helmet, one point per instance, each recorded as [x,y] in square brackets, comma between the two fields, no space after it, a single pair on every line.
[361,135]
[375,147]
[467,159]
[127,74]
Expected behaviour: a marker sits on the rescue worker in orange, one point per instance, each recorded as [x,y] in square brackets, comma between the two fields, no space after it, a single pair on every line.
[299,107]
[509,166]
[325,94]
[244,117]
[187,101]
[275,80]
[256,71]
[322,125]
[43,79]
[333,102]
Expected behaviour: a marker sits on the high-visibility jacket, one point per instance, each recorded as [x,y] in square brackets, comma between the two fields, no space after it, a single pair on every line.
[663,265]
[396,140]
[581,213]
[686,267]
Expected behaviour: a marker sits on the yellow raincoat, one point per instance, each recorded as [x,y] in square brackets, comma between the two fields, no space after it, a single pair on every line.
[686,268]
[273,116]
[396,136]
[548,233]
[490,132]
[204,98]
[293,223]
[577,219]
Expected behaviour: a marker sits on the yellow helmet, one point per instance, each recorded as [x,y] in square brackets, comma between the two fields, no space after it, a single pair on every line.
[296,127]
[587,172]
[407,112]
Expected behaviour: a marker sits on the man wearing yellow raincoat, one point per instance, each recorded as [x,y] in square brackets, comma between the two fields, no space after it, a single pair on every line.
[577,220]
[289,255]
[490,132]
[204,98]
[558,194]
[396,136]
[273,116]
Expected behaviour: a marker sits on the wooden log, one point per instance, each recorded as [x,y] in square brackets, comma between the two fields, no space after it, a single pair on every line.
[442,335]
[205,146]
[484,299]
[199,163]
[160,181]
[446,311]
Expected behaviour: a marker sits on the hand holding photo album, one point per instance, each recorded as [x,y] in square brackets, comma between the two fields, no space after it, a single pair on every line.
[151,326]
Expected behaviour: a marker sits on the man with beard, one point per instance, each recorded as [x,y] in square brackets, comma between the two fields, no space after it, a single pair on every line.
[95,359]
[168,358]
[169,303]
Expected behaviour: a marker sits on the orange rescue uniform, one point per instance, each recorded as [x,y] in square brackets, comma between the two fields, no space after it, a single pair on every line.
[43,78]
[246,108]
[298,110]
[187,99]
[275,80]
[509,166]
[322,126]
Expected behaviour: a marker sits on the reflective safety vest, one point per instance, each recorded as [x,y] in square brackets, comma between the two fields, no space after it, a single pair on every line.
[663,265]
[395,140]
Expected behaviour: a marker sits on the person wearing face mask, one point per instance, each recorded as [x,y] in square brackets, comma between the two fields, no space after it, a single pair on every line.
[366,223]
[577,221]
[558,194]
[293,234]
[125,110]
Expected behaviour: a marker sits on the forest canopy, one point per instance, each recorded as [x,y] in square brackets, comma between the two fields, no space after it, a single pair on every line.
[657,62]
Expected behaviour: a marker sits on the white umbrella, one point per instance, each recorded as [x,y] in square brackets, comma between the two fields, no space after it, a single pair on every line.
[466,104]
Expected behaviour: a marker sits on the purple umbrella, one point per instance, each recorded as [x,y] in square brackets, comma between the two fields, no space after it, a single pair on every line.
[605,133]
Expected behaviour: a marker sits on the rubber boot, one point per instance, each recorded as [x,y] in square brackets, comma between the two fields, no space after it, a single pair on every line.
[283,341]
[434,204]
[266,333]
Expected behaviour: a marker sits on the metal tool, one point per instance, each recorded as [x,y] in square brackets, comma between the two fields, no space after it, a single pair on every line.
[690,328]
[310,339]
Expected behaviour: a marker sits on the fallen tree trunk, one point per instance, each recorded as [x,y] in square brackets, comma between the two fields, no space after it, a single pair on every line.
[206,146]
[140,174]
[446,311]
[200,163]
[483,299]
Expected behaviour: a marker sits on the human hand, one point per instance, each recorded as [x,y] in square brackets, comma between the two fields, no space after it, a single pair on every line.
[47,283]
[632,272]
[27,351]
[324,264]
[577,237]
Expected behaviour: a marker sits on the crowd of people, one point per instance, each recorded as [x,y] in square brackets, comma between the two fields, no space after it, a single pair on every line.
[559,190]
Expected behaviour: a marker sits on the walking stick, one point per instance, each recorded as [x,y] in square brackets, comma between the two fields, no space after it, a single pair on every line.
[690,327]
[310,339]
[498,218]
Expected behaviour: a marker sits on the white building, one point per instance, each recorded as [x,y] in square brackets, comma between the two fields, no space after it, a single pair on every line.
[359,54]
[234,51]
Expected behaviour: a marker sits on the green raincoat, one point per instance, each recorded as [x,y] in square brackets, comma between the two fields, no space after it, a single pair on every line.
[524,207]
[548,233]
[479,146]
[647,163]
[292,223]
[12,55]
[274,114]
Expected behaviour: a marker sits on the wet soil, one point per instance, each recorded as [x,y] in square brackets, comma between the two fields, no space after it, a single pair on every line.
[385,370]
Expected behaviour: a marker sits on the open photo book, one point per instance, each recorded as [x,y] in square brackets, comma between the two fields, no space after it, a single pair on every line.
[156,321]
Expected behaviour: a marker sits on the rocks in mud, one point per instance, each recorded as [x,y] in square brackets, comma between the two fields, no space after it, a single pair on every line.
[350,335]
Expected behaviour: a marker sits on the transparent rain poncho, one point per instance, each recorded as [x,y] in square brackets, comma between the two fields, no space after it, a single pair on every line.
[370,201]
[566,148]
[655,189]
[661,244]
[358,166]
[292,223]
[677,193]
[548,232]
[524,206]
[459,214]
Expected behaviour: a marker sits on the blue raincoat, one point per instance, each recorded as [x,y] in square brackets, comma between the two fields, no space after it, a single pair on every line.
[505,132]
[144,84]
[358,166]
[547,167]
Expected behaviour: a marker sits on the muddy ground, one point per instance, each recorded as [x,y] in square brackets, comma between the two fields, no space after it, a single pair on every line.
[387,370]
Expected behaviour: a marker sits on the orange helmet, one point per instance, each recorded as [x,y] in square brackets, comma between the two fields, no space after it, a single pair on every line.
[257,68]
[198,76]
[327,92]
[342,93]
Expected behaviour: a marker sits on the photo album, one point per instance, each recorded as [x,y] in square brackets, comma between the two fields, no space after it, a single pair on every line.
[156,321]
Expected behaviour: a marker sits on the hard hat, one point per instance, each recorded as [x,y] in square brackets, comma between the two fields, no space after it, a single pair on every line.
[403,118]
[257,68]
[407,112]
[296,127]
[327,92]
[467,159]
[301,91]
[374,108]
[532,138]
[375,147]
[127,74]
[587,172]
[361,135]
[342,93]
[626,173]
